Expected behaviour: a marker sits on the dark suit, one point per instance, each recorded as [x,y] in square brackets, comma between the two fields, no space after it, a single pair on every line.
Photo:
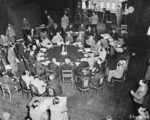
[101,67]
[19,50]
[67,67]
[55,68]
[78,70]
[53,30]
[52,66]
[39,67]
[80,79]
[32,60]
[95,79]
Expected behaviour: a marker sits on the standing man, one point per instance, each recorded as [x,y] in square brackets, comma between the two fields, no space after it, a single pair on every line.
[25,29]
[94,20]
[64,22]
[119,14]
[45,20]
[139,96]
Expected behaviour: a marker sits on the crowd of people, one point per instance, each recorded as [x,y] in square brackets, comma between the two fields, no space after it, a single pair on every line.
[31,52]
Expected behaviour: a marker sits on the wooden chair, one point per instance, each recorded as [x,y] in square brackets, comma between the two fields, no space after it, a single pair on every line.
[67,76]
[85,86]
[48,72]
[8,69]
[119,80]
[124,29]
[35,92]
[6,89]
[100,84]
[50,91]
[24,88]
[42,73]
[106,73]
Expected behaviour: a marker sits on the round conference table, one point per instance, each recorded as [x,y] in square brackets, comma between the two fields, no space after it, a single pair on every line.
[73,53]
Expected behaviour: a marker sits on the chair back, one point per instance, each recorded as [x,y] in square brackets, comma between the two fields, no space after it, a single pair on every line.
[48,72]
[124,27]
[42,73]
[5,88]
[106,63]
[50,91]
[23,85]
[85,82]
[67,73]
[101,80]
[106,71]
[34,90]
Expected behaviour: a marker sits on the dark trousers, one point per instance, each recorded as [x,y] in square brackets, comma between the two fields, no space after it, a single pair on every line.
[136,107]
[25,33]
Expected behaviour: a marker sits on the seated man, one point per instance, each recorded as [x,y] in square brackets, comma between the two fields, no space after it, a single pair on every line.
[11,83]
[54,83]
[95,80]
[91,60]
[58,111]
[27,78]
[39,84]
[67,65]
[69,37]
[55,67]
[121,41]
[35,112]
[118,73]
[31,60]
[85,73]
[46,43]
[38,65]
[80,38]
[57,39]
[82,64]
[102,53]
[99,66]
[90,41]
[82,28]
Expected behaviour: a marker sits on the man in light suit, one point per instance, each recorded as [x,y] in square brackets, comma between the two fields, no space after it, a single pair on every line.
[139,95]
[118,73]
[12,59]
